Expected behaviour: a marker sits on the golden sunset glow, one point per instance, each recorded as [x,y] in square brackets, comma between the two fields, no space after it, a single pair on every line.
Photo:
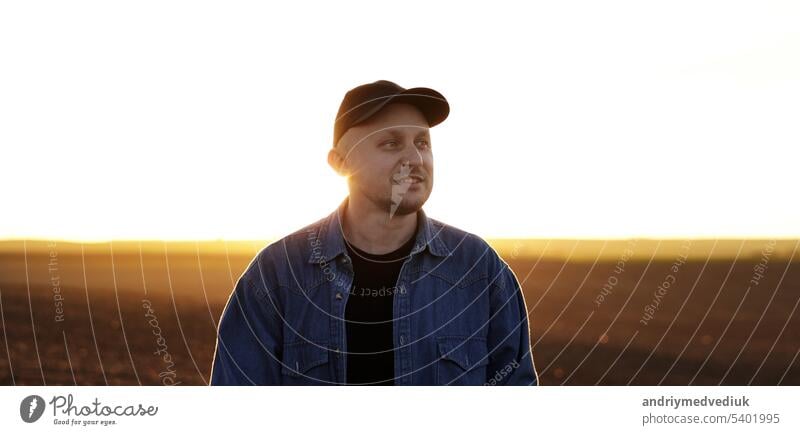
[224,134]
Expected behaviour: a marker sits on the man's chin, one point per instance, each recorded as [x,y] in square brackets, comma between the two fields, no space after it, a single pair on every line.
[408,205]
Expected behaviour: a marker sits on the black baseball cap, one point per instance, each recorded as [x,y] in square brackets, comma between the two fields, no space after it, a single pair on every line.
[362,102]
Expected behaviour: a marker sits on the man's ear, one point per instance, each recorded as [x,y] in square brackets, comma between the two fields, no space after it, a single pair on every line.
[336,161]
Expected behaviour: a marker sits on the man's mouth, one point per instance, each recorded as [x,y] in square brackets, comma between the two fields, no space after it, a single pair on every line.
[410,180]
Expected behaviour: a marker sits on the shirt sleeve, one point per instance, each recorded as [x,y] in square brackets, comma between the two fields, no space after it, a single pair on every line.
[510,358]
[248,337]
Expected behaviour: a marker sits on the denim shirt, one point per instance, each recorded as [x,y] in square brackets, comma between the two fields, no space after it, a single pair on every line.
[459,313]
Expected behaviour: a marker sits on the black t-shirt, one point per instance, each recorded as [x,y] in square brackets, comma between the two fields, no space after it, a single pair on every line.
[368,315]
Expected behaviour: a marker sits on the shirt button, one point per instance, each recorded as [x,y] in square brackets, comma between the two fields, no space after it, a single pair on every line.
[402,339]
[339,295]
[402,289]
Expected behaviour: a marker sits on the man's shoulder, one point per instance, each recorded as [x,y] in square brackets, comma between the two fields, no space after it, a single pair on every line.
[448,231]
[287,252]
[464,245]
[294,249]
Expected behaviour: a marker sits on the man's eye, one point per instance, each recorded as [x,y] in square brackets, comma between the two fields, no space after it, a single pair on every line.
[423,144]
[390,144]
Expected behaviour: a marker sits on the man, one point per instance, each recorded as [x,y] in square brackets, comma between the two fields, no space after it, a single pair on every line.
[377,293]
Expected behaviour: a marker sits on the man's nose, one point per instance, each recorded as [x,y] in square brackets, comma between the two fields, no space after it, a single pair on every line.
[412,155]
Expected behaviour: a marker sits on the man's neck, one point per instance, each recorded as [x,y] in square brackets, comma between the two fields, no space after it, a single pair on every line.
[373,230]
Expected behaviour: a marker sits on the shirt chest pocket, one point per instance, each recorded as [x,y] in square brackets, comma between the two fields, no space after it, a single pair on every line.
[462,360]
[306,363]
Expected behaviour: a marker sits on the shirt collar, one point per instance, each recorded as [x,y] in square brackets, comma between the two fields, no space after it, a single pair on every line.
[332,237]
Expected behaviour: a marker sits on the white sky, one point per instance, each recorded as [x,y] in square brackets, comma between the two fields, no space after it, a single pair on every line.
[199,120]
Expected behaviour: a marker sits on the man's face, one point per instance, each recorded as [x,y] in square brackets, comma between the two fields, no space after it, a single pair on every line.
[388,159]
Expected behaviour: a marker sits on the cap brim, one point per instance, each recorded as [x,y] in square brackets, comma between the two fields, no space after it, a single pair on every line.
[431,103]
